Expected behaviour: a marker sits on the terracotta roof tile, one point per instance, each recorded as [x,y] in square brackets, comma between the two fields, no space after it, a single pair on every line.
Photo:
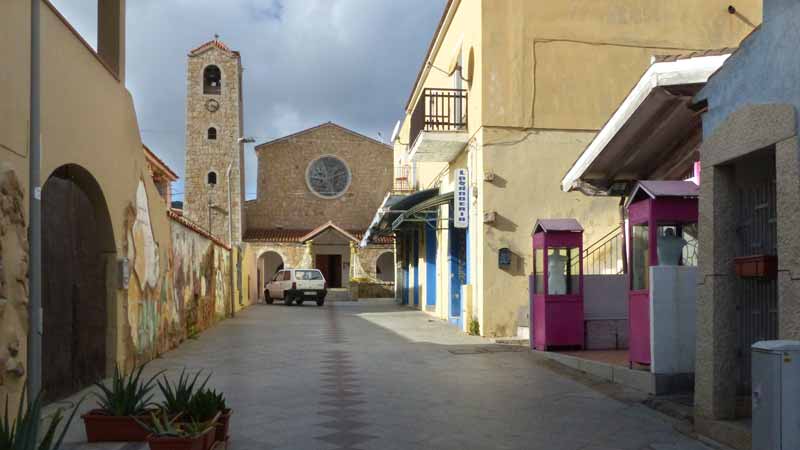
[213,43]
[296,236]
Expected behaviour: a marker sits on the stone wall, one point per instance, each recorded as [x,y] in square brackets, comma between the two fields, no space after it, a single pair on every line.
[284,199]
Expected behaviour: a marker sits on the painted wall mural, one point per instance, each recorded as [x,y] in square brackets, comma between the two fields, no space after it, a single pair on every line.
[13,285]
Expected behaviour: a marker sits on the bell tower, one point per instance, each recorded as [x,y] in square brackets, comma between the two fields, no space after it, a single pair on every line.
[214,171]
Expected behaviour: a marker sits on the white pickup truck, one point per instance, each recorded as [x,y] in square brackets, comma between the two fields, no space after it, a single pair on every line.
[296,286]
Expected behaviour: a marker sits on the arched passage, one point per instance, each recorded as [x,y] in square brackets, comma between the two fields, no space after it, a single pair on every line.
[77,300]
[384,267]
[269,263]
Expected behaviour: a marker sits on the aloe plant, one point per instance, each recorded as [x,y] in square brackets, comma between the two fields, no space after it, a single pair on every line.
[127,395]
[178,396]
[23,432]
[162,426]
[205,404]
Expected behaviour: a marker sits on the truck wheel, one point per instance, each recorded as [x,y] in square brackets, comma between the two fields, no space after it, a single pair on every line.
[287,299]
[320,301]
[299,302]
[267,299]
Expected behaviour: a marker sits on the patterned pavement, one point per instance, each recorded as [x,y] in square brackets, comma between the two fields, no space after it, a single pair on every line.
[372,375]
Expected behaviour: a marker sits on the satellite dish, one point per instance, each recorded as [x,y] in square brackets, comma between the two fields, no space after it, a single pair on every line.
[395,132]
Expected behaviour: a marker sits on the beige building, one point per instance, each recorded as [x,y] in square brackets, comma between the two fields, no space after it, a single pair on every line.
[123,278]
[214,181]
[512,91]
[317,192]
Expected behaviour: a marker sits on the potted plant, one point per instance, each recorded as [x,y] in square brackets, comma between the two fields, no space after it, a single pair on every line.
[177,396]
[23,433]
[208,403]
[125,400]
[167,434]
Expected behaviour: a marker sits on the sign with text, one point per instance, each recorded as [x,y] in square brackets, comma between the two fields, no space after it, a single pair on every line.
[461,194]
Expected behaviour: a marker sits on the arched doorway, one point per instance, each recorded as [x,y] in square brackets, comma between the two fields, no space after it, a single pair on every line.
[77,248]
[384,267]
[269,263]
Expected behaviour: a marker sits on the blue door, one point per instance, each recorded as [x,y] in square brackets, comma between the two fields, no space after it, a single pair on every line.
[431,244]
[458,272]
[415,263]
[404,268]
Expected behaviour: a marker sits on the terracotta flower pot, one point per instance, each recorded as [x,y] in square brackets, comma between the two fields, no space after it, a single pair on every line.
[102,427]
[757,266]
[223,425]
[202,442]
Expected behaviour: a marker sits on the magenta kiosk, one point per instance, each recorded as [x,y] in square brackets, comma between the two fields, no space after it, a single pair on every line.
[557,298]
[662,230]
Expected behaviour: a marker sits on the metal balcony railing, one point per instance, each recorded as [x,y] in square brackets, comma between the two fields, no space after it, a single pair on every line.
[439,110]
[402,179]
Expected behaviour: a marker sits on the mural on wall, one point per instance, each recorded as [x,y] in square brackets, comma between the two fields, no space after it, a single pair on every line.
[201,277]
[13,284]
[144,289]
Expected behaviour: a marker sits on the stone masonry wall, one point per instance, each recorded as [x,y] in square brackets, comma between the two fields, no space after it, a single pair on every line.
[284,199]
[204,155]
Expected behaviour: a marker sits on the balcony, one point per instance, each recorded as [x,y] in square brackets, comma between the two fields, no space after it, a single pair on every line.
[439,125]
[403,182]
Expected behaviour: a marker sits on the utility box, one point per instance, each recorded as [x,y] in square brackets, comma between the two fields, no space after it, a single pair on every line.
[776,395]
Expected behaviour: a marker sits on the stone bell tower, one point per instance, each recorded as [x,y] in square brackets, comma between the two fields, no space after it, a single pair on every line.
[214,174]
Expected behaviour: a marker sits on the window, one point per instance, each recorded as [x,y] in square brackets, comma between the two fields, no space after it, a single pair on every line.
[640,258]
[328,177]
[308,275]
[212,178]
[278,276]
[212,80]
[538,271]
[212,134]
[287,276]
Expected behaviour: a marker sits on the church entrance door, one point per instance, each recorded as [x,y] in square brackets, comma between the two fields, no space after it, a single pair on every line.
[331,268]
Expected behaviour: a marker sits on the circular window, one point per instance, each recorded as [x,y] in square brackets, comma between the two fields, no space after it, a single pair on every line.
[328,177]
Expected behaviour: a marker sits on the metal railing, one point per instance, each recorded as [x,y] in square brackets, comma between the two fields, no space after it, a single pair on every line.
[439,110]
[606,256]
[403,179]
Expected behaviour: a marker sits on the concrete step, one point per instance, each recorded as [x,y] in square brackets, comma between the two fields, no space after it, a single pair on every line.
[338,295]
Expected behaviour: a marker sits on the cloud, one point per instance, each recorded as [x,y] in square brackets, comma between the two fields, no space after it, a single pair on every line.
[306,62]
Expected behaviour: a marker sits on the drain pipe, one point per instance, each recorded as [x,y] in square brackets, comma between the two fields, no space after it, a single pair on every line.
[230,240]
[35,212]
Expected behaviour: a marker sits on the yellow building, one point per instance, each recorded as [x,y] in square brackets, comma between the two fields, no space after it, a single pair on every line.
[511,92]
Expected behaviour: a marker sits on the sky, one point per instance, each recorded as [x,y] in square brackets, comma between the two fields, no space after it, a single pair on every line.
[306,62]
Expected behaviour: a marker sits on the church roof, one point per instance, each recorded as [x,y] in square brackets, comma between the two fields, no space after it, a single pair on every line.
[298,236]
[214,43]
[317,127]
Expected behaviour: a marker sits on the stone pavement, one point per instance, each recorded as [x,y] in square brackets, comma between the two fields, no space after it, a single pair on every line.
[372,375]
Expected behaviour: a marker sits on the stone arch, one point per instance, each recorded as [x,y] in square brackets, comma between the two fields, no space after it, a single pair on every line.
[78,295]
[269,263]
[384,266]
[212,80]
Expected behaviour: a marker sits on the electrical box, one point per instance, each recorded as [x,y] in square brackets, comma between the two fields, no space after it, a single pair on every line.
[776,395]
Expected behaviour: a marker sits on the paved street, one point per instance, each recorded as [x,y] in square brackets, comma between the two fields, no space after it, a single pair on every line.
[372,375]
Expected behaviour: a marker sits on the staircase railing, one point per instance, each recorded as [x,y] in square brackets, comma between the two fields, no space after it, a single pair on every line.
[606,256]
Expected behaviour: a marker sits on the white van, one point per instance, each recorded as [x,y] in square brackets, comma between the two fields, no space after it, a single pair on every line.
[297,286]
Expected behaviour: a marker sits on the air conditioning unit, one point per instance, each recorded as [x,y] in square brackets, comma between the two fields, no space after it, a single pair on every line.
[776,395]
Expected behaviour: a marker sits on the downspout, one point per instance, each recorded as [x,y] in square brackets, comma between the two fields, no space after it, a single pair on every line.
[35,210]
[230,241]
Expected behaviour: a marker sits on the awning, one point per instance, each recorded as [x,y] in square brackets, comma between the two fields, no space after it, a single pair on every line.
[391,208]
[654,134]
[422,211]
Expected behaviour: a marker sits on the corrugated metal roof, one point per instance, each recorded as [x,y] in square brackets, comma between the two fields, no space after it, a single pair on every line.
[296,236]
[666,188]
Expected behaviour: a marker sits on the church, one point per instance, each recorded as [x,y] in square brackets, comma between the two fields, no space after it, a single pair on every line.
[317,189]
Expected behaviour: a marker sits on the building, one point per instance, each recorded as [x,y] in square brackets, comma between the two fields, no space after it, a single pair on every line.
[749,194]
[162,175]
[508,96]
[214,172]
[317,191]
[123,279]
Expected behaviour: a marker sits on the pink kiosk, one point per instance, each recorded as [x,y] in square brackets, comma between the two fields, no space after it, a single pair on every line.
[557,294]
[662,220]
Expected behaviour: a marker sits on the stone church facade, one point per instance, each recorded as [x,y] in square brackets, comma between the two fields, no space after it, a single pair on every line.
[317,192]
